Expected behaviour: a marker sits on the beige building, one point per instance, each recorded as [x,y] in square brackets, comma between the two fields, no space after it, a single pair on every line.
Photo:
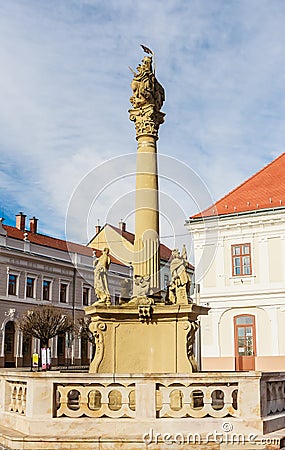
[36,269]
[121,244]
[239,245]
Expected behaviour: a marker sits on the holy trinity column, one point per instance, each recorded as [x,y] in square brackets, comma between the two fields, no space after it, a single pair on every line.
[147,99]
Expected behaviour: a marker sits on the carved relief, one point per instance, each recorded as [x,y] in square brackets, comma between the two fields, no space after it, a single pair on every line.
[147,120]
[97,329]
[9,316]
[145,312]
[190,340]
[142,286]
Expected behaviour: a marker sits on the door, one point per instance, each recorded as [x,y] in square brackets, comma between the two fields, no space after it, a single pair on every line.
[27,351]
[84,350]
[9,345]
[245,342]
[61,349]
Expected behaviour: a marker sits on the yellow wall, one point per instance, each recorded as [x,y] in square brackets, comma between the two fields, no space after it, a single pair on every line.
[119,247]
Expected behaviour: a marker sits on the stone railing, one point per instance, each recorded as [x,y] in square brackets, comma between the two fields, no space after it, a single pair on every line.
[275,397]
[198,400]
[273,388]
[18,392]
[95,400]
[178,400]
[191,401]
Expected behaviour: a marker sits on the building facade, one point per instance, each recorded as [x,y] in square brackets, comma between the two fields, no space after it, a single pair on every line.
[239,245]
[36,269]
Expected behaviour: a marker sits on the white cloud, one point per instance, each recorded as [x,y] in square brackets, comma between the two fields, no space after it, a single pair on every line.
[64,92]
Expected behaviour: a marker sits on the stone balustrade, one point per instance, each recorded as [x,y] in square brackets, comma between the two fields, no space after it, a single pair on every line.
[272,390]
[62,402]
[18,391]
[199,400]
[95,400]
[275,397]
[174,401]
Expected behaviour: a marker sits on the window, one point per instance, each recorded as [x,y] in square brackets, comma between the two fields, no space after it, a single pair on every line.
[46,289]
[30,286]
[166,282]
[241,259]
[63,293]
[244,320]
[117,298]
[12,284]
[85,296]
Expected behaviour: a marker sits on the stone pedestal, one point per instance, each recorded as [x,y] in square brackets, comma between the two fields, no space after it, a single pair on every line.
[144,339]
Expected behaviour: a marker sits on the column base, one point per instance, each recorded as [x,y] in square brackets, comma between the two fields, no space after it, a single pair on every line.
[144,338]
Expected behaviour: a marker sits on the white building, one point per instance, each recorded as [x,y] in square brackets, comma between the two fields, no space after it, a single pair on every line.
[239,245]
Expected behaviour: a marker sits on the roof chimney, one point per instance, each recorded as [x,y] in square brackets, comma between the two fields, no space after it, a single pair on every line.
[122,225]
[21,221]
[98,229]
[34,225]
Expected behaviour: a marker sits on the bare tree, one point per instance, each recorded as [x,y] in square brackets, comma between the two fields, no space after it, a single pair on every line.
[45,322]
[84,331]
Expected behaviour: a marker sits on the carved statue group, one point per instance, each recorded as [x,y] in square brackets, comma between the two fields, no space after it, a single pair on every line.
[147,99]
[139,291]
[146,89]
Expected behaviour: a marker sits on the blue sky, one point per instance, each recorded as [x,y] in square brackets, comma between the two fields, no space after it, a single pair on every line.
[65,89]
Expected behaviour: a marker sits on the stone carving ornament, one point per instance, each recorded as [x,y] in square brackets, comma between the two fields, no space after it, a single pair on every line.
[146,89]
[190,340]
[97,328]
[147,99]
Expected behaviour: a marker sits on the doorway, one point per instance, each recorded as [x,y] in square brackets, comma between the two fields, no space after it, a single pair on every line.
[84,350]
[9,345]
[27,350]
[245,342]
[61,349]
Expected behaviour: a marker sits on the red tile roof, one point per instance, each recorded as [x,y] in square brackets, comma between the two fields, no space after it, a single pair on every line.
[265,189]
[126,234]
[58,244]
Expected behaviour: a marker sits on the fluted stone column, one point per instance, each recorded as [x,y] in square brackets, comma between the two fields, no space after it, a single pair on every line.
[147,99]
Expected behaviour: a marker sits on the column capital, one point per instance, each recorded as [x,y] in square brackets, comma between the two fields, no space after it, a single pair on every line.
[147,120]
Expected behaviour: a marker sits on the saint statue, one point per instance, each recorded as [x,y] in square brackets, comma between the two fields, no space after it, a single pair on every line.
[146,89]
[101,266]
[180,281]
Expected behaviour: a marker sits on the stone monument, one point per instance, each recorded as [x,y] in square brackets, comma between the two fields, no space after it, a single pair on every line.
[143,334]
[147,100]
